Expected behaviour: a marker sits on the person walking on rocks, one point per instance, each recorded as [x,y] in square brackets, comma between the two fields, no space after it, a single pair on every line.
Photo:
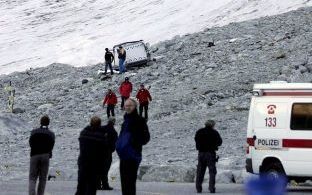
[207,142]
[91,159]
[144,98]
[122,59]
[111,101]
[134,134]
[110,136]
[109,58]
[41,142]
[125,90]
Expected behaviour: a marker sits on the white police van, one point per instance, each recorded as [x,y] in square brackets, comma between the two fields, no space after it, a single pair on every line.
[137,53]
[279,134]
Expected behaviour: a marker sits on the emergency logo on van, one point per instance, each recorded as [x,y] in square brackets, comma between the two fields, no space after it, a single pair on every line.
[271,109]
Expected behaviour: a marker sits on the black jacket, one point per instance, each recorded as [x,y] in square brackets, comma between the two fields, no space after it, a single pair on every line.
[122,56]
[110,136]
[207,140]
[109,57]
[95,145]
[41,141]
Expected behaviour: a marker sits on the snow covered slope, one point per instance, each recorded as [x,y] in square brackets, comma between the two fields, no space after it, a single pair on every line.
[39,32]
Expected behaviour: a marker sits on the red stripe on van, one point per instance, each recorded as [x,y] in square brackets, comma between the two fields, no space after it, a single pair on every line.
[287,93]
[250,141]
[297,143]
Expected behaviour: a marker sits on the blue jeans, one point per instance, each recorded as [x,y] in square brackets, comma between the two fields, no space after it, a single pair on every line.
[122,66]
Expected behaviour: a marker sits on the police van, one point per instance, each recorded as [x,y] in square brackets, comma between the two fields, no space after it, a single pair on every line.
[137,53]
[279,134]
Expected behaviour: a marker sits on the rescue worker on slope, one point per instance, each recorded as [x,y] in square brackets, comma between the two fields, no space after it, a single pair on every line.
[111,101]
[207,142]
[144,97]
[125,90]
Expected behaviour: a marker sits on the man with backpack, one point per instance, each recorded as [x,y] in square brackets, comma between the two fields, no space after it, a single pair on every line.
[41,143]
[109,58]
[134,134]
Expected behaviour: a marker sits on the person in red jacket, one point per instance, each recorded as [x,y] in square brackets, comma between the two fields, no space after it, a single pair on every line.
[111,101]
[125,90]
[144,98]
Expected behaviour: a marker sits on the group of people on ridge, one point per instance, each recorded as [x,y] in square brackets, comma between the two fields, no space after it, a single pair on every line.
[125,90]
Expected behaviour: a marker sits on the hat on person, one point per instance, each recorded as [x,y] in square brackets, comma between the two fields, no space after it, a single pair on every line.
[127,79]
[210,123]
[106,49]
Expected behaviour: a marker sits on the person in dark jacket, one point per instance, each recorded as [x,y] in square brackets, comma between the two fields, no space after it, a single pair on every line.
[144,98]
[110,135]
[111,101]
[122,59]
[207,142]
[134,134]
[41,143]
[125,90]
[92,145]
[109,58]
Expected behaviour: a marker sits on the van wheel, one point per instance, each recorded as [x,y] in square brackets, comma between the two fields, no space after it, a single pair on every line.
[274,170]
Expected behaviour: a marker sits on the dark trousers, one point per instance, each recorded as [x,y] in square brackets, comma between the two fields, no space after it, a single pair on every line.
[39,167]
[110,110]
[145,107]
[123,99]
[86,181]
[206,159]
[128,176]
[109,64]
[102,178]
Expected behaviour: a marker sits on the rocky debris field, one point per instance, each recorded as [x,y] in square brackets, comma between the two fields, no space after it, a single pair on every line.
[190,82]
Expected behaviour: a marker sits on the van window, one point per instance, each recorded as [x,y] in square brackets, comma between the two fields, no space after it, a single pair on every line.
[301,116]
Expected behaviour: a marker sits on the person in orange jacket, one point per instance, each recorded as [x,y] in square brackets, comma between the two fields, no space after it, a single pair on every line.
[111,101]
[125,90]
[144,97]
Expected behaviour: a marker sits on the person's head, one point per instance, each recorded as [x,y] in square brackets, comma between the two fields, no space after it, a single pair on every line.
[210,124]
[109,91]
[95,122]
[111,120]
[142,86]
[106,49]
[120,47]
[127,79]
[130,105]
[45,121]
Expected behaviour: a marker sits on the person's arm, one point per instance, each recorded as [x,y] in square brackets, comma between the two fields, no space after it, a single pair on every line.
[149,96]
[197,140]
[31,141]
[219,139]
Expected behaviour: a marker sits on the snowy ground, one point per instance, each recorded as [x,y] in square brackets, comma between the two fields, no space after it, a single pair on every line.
[145,188]
[36,33]
[190,83]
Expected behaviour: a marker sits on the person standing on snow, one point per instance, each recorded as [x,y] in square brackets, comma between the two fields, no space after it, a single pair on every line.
[109,58]
[122,59]
[133,135]
[41,143]
[125,90]
[207,142]
[111,101]
[144,98]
